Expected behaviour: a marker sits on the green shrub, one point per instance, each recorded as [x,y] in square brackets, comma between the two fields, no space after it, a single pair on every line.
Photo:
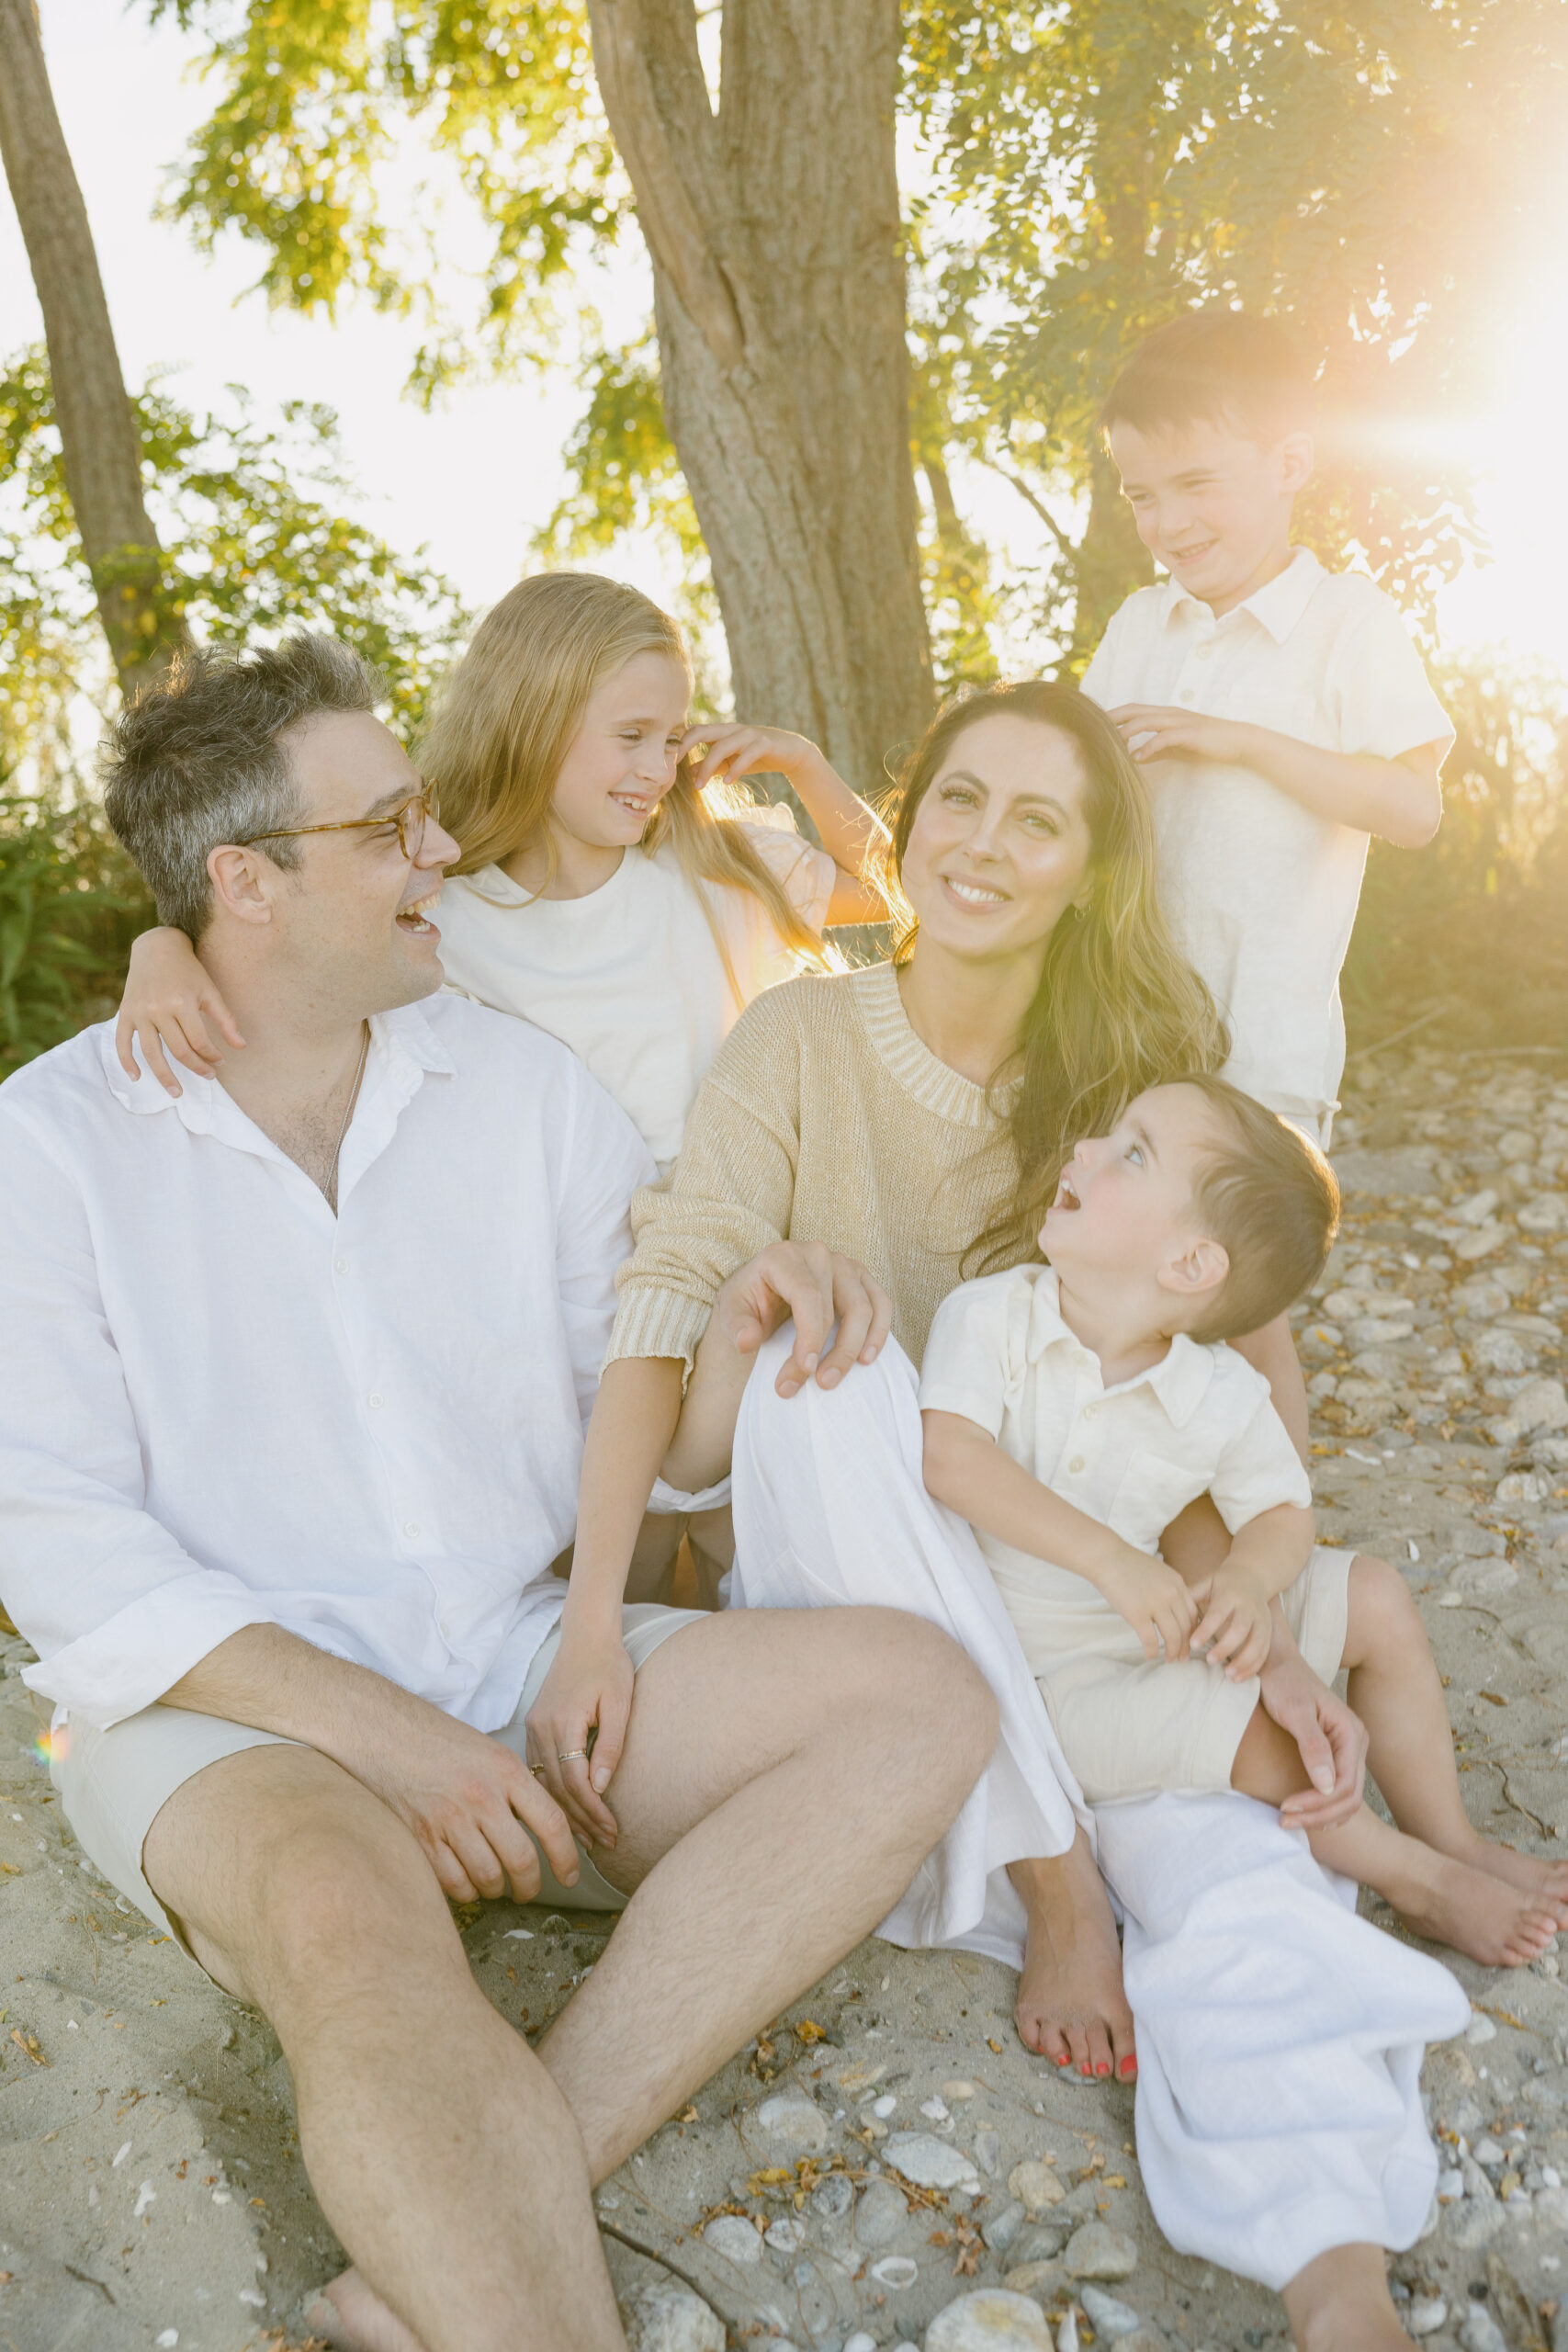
[71,904]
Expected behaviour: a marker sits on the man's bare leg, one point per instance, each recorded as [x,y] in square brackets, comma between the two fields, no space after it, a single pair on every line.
[786,1773]
[441,2153]
[1340,2303]
[1071,2007]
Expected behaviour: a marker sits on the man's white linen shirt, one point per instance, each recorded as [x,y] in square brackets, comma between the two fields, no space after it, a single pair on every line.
[1260,891]
[1132,1455]
[221,1406]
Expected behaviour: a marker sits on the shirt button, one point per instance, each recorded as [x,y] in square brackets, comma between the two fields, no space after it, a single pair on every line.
[411,1527]
[444,1628]
[1186,694]
[375,1400]
[1089,1411]
[340,1265]
[1075,1465]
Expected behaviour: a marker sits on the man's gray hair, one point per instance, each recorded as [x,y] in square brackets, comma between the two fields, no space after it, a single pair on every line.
[195,760]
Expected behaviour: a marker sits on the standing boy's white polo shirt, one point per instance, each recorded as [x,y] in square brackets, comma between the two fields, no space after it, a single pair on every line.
[1260,892]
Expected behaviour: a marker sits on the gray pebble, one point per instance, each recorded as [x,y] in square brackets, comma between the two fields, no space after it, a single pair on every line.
[733,2237]
[1111,2319]
[992,2320]
[1002,2227]
[881,2215]
[667,2318]
[833,2198]
[1096,2252]
[1478,2332]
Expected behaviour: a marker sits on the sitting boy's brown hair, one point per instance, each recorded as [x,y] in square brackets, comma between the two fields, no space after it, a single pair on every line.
[1266,1193]
[1216,366]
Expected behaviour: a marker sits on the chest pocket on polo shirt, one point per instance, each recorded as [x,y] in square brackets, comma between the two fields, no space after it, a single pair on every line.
[1151,1492]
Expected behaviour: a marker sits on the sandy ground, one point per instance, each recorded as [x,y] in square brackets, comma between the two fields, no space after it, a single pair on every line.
[151,2187]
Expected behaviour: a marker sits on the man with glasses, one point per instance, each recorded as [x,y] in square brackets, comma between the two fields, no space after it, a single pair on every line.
[296,1370]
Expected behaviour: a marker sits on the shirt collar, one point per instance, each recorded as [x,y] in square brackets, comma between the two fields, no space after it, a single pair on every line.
[405,1037]
[1179,1380]
[1277,606]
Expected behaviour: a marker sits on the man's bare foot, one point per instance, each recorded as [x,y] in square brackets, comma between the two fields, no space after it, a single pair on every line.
[1340,2304]
[1071,2007]
[1546,1883]
[350,2314]
[1477,1912]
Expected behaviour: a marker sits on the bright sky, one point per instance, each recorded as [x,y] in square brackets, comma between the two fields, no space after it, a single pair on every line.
[474,477]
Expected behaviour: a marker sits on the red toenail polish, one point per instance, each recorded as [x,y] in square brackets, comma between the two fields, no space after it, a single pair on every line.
[1063,2062]
[1129,2065]
[1103,2068]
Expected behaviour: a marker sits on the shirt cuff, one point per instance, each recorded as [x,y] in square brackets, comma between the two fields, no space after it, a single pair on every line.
[652,1322]
[970,1404]
[125,1666]
[668,1498]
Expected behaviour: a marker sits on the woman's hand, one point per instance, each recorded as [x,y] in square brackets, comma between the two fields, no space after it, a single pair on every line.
[1333,1741]
[588,1689]
[1159,1605]
[170,1001]
[1235,1630]
[819,1288]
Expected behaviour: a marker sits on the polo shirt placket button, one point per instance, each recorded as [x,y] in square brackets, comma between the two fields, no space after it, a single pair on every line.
[1075,1465]
[376,1400]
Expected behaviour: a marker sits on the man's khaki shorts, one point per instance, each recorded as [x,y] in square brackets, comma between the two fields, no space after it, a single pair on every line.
[113,1785]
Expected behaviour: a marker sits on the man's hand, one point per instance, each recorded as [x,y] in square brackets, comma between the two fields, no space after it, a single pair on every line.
[1332,1740]
[588,1689]
[1235,1630]
[819,1288]
[1158,1604]
[1160,732]
[467,1799]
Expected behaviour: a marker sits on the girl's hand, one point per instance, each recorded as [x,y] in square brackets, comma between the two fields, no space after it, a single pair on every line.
[588,1689]
[170,1001]
[1158,732]
[738,751]
[1235,1629]
[1159,1605]
[817,1288]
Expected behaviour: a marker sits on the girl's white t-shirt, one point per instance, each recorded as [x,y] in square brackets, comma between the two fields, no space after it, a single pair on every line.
[630,977]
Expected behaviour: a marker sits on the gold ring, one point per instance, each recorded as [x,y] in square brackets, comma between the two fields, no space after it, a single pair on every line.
[571,1754]
[538,1770]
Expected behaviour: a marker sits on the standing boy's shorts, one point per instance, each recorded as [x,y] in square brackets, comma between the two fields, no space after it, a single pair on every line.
[114,1784]
[1130,1726]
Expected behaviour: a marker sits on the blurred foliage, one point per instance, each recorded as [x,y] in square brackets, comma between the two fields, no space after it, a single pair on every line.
[1469,937]
[249,513]
[71,904]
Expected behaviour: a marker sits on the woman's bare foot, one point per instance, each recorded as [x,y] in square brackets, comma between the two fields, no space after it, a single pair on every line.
[350,2314]
[1340,2304]
[1071,2007]
[1477,1912]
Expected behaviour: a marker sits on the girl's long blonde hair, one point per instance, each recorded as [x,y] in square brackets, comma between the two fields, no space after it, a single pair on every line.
[1118,1007]
[512,707]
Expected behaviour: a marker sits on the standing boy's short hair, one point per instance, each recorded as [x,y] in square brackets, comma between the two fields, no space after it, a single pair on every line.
[1266,1193]
[1216,367]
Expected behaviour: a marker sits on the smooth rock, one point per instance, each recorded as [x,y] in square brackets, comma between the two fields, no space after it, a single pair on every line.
[1423,2315]
[1111,2319]
[881,2214]
[1479,2028]
[793,2123]
[896,2271]
[1002,2227]
[860,2341]
[1473,2225]
[787,2236]
[667,2318]
[732,2237]
[1478,2332]
[987,2150]
[833,2198]
[1032,2278]
[1098,2252]
[929,2161]
[1488,2151]
[993,2320]
[1035,2186]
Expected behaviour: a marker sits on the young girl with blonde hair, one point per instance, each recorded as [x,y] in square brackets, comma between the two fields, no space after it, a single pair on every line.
[627,899]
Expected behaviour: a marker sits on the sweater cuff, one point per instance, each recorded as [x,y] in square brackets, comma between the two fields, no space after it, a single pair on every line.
[653,1322]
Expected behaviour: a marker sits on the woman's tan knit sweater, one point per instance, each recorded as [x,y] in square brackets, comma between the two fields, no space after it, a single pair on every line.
[823,1119]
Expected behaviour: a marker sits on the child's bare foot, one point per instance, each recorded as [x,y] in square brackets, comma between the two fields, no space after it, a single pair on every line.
[1340,2304]
[1071,2007]
[1475,1911]
[349,2313]
[1546,1883]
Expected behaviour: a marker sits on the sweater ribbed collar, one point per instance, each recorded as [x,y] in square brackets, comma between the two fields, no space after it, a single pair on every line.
[910,1062]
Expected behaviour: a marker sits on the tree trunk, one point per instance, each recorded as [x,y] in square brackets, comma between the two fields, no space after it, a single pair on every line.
[1109,561]
[778,266]
[97,428]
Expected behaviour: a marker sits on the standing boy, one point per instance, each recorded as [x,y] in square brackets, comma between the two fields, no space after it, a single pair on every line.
[1280,710]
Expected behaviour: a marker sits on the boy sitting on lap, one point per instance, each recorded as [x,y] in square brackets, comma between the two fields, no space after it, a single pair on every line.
[1073,1409]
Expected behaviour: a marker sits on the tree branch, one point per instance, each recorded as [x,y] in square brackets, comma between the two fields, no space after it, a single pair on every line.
[1068,546]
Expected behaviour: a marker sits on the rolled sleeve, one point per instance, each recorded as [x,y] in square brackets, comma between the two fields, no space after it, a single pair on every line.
[965,1369]
[804,873]
[1258,1471]
[116,1608]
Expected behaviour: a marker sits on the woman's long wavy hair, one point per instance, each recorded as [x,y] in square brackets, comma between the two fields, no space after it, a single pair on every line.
[1118,1007]
[512,708]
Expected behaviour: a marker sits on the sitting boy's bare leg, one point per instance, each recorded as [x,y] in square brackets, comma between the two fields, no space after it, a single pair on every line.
[1071,2006]
[1441,1896]
[784,1775]
[1341,2304]
[441,2152]
[1395,1690]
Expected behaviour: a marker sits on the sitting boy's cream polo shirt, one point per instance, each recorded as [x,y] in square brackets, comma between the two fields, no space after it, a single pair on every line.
[1261,892]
